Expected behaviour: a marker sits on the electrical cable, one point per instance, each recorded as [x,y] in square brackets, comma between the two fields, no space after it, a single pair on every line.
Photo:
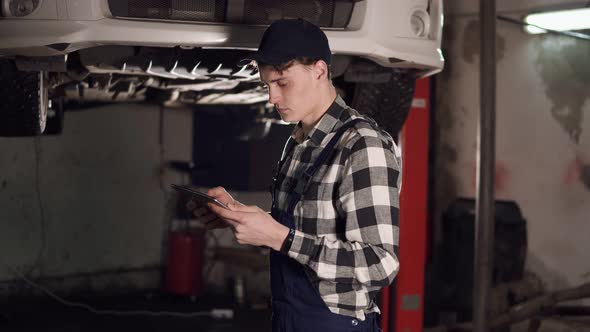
[215,313]
[168,201]
[36,264]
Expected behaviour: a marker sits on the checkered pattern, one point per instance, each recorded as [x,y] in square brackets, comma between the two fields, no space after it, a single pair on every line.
[347,222]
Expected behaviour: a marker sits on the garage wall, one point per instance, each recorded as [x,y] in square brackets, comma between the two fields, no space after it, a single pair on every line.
[543,133]
[99,207]
[93,216]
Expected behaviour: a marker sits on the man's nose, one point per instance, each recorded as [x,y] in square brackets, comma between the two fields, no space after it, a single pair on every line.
[273,96]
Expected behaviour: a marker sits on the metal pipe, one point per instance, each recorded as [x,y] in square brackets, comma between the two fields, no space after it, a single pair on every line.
[484,228]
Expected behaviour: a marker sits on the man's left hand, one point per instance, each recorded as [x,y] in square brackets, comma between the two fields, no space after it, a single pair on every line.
[252,225]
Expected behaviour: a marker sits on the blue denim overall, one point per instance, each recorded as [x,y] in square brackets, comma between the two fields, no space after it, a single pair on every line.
[297,305]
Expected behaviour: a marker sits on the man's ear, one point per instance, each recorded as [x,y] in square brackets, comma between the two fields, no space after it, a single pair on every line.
[320,69]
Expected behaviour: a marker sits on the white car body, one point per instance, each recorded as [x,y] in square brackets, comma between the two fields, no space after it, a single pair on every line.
[187,52]
[380,30]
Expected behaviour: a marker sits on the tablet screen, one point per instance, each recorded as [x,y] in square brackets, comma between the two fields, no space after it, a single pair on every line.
[198,197]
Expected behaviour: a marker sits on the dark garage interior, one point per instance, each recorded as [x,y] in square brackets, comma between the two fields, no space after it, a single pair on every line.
[106,104]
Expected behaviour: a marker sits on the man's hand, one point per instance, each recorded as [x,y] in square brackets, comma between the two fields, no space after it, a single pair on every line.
[203,213]
[252,225]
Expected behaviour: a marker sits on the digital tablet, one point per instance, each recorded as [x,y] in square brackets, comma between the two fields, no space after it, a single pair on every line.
[198,196]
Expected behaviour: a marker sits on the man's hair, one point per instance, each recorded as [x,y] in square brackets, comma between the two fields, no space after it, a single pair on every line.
[280,68]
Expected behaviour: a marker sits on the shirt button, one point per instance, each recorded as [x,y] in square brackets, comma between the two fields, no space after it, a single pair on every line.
[354,322]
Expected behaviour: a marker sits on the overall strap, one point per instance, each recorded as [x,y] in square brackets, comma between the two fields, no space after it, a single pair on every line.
[305,178]
[288,147]
[276,171]
[286,150]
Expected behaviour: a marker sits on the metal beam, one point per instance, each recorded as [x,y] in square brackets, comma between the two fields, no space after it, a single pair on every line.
[484,229]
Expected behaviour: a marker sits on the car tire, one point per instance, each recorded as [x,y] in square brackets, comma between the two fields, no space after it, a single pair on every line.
[24,98]
[387,102]
[55,118]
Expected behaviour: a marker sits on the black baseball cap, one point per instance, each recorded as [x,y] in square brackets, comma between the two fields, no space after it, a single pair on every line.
[287,39]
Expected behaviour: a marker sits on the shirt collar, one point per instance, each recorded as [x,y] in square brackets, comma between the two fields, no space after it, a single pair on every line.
[325,126]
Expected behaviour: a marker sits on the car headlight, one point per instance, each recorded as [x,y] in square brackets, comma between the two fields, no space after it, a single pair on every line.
[19,8]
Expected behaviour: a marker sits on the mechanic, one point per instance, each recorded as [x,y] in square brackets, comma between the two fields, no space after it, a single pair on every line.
[334,225]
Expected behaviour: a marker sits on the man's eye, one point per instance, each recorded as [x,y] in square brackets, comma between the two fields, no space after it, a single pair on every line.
[282,84]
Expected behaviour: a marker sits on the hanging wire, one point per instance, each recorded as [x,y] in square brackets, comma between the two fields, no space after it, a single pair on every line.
[43,237]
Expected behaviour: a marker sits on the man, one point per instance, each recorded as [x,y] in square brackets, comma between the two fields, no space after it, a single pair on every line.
[333,231]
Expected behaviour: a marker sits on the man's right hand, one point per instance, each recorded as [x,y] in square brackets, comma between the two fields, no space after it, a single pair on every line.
[203,213]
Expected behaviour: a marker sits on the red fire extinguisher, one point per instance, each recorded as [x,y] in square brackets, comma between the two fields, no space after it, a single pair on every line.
[186,258]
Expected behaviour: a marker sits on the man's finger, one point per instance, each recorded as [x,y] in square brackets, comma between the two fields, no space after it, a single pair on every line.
[234,206]
[221,194]
[232,223]
[216,190]
[221,211]
[231,217]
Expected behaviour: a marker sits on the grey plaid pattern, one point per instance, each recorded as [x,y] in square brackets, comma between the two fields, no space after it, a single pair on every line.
[347,222]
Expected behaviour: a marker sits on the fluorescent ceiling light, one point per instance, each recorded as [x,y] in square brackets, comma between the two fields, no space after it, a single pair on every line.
[563,20]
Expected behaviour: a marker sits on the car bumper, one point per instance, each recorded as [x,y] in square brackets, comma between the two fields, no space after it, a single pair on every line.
[373,39]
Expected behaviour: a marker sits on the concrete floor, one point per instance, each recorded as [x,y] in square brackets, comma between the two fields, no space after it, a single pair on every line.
[49,315]
[557,325]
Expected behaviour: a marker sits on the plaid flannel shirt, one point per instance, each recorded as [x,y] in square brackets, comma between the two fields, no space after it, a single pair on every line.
[347,222]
